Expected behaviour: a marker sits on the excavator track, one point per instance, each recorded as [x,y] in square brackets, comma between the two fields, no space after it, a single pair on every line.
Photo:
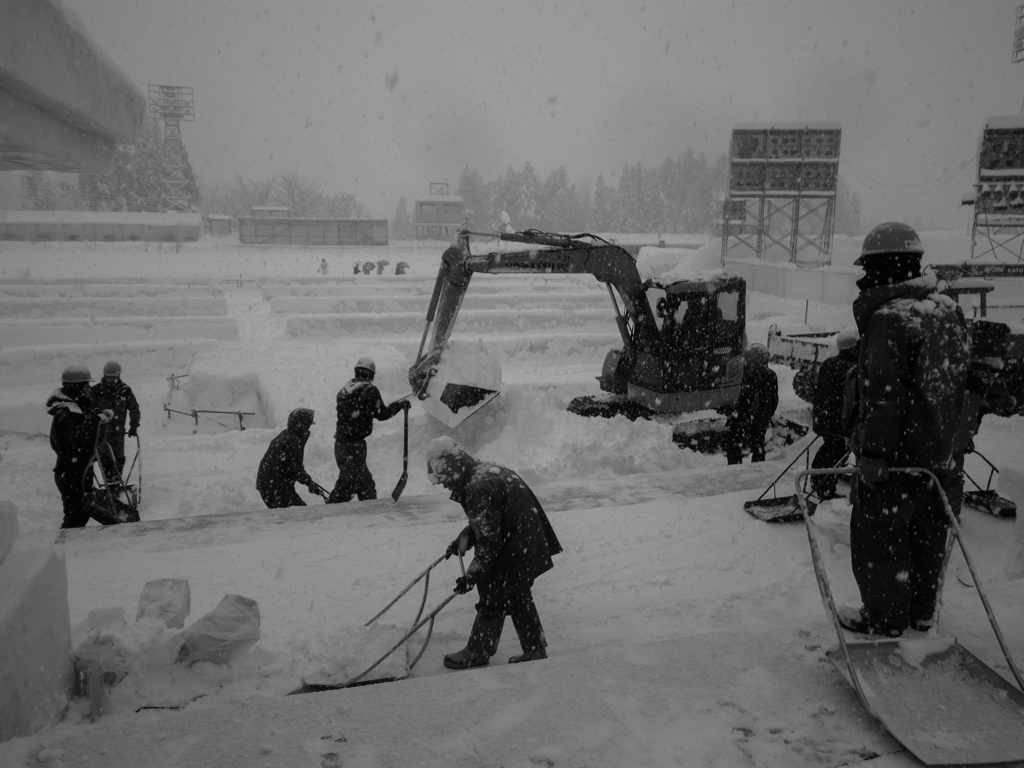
[701,435]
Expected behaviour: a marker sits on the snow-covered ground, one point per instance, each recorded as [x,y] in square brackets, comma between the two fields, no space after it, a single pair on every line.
[682,631]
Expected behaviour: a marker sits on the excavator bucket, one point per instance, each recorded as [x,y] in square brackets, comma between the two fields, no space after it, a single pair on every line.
[452,404]
[463,381]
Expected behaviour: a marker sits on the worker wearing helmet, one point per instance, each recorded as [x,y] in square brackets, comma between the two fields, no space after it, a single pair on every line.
[282,465]
[359,403]
[73,438]
[911,377]
[749,419]
[827,414]
[112,393]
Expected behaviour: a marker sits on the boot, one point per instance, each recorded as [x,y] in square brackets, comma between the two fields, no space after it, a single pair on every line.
[531,634]
[482,644]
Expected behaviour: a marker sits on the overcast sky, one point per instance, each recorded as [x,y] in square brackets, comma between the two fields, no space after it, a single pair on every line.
[378,99]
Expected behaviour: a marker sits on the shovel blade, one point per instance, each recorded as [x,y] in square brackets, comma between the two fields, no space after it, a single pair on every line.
[456,402]
[400,486]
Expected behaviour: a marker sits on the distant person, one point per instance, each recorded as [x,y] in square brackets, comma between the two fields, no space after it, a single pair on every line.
[401,267]
[380,266]
[359,403]
[751,416]
[368,267]
[912,375]
[113,394]
[355,268]
[282,465]
[323,267]
[513,542]
[827,414]
[700,324]
[73,430]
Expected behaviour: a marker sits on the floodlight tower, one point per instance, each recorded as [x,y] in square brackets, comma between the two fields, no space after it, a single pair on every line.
[173,104]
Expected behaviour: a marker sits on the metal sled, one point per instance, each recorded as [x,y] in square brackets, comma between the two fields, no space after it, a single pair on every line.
[987,499]
[939,700]
[418,623]
[111,499]
[780,509]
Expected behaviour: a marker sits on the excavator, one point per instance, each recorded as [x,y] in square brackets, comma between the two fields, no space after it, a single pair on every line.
[682,341]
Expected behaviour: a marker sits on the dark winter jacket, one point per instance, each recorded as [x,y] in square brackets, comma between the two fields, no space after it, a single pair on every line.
[828,393]
[282,464]
[73,429]
[759,397]
[513,537]
[359,403]
[911,374]
[121,400]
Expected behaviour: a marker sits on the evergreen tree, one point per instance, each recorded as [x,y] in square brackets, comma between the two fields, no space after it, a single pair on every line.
[847,214]
[559,205]
[473,192]
[603,210]
[135,181]
[402,226]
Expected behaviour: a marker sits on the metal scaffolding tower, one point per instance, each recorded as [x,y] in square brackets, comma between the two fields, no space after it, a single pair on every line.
[782,191]
[172,104]
[997,227]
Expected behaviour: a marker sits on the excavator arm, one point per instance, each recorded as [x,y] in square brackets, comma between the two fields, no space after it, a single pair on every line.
[556,254]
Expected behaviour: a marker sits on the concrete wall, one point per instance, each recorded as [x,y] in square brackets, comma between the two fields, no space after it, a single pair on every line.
[829,285]
[100,226]
[280,231]
[63,103]
[36,664]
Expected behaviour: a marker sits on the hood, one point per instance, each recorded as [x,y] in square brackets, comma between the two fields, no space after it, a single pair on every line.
[870,300]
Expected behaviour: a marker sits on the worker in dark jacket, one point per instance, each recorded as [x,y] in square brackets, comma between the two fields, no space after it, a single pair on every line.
[110,393]
[513,543]
[750,417]
[282,465]
[359,403]
[911,378]
[827,415]
[73,438]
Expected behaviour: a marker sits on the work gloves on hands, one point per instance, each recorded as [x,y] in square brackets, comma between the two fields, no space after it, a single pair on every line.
[106,415]
[133,431]
[464,584]
[462,544]
[873,470]
[406,405]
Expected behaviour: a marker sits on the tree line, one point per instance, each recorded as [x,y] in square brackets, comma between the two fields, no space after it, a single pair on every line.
[681,194]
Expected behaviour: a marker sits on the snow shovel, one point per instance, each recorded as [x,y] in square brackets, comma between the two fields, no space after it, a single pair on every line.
[987,499]
[780,509]
[418,623]
[939,700]
[405,462]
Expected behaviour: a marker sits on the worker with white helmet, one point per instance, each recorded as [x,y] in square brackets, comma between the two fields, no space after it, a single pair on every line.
[359,403]
[73,438]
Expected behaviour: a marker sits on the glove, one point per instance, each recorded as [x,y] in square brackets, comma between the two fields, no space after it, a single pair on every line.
[133,431]
[453,549]
[106,415]
[406,405]
[462,543]
[464,584]
[873,470]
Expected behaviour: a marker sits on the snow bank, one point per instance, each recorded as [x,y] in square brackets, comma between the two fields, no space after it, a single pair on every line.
[671,264]
[75,330]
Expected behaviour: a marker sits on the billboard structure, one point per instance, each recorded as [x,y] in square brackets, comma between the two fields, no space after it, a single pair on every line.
[997,228]
[173,104]
[1018,35]
[782,191]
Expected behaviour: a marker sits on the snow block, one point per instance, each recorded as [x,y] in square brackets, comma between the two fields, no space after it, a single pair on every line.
[166,599]
[35,635]
[8,528]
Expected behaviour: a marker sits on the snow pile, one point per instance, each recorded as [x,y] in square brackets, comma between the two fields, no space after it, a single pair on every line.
[672,264]
[335,656]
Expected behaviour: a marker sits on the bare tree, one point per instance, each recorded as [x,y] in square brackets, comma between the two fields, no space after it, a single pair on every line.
[241,194]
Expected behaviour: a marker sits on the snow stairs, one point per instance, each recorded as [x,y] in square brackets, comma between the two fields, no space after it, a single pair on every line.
[708,699]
